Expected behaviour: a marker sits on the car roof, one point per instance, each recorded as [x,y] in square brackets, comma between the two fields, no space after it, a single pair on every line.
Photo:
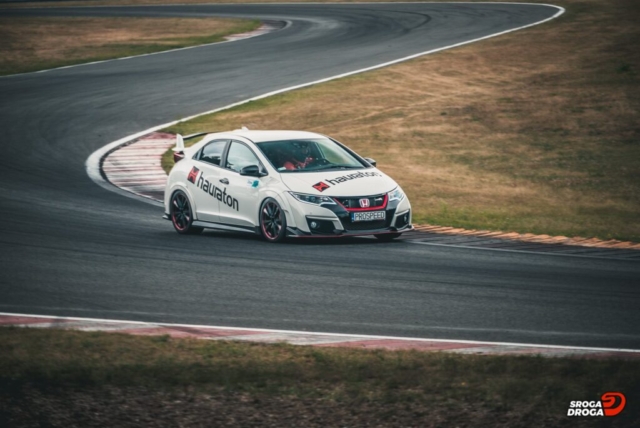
[262,136]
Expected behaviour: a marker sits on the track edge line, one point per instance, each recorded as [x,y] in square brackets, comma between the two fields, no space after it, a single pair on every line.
[363,336]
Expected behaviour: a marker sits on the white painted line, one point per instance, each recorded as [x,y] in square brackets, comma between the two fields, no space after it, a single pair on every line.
[294,339]
[360,336]
[93,161]
[540,253]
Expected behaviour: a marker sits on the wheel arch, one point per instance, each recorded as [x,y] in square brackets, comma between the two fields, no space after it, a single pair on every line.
[180,187]
[284,205]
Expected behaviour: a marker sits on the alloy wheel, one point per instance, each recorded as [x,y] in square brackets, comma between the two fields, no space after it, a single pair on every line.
[272,221]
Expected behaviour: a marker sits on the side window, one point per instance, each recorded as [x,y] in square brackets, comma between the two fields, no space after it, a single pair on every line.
[240,156]
[212,152]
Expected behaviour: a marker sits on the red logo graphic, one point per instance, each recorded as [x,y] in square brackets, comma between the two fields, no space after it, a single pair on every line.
[364,203]
[321,187]
[193,175]
[613,403]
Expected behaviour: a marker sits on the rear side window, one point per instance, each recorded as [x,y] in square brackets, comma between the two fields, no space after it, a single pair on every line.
[212,152]
[240,156]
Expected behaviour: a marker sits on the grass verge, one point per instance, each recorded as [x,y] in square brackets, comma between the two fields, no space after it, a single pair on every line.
[89,379]
[535,131]
[31,44]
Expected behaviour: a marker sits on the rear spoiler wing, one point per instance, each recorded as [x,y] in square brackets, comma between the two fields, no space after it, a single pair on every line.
[180,140]
[178,150]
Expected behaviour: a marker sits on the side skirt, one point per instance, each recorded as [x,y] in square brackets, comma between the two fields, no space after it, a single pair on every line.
[222,226]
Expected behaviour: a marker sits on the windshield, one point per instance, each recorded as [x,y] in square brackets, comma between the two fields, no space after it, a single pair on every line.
[308,155]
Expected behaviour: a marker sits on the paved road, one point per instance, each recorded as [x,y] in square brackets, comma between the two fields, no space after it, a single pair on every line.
[69,247]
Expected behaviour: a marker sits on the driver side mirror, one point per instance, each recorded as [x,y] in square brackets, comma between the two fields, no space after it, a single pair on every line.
[371,161]
[251,171]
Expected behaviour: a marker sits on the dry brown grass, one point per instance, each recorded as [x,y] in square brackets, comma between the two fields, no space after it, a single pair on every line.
[65,3]
[38,43]
[535,131]
[70,378]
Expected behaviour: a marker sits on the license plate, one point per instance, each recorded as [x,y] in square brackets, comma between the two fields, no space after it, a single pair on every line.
[369,216]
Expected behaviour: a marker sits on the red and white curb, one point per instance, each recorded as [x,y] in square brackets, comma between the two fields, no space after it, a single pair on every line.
[309,338]
[136,167]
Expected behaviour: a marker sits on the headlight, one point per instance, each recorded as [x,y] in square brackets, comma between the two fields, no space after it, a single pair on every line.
[312,199]
[396,194]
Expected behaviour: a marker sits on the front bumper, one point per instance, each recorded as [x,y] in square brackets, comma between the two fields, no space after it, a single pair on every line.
[293,232]
[335,220]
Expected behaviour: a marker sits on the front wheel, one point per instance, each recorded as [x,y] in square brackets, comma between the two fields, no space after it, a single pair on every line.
[387,237]
[182,214]
[273,223]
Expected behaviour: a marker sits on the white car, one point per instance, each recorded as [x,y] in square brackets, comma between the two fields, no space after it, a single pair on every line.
[281,184]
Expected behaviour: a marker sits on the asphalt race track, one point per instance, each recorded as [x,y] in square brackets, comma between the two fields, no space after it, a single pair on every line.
[70,247]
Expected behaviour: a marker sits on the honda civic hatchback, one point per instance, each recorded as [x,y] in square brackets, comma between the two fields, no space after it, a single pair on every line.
[281,184]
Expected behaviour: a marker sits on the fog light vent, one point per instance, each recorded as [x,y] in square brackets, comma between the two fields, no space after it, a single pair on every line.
[403,220]
[320,227]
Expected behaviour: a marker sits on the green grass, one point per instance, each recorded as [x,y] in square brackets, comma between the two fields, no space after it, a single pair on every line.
[443,385]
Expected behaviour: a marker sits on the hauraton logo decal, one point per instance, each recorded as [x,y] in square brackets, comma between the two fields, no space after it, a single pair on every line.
[210,188]
[321,186]
[354,176]
[193,175]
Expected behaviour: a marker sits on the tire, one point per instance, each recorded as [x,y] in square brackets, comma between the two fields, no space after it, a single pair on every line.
[182,214]
[387,237]
[273,222]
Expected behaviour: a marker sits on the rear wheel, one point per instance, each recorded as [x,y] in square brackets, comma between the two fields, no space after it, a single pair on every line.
[182,214]
[387,237]
[273,223]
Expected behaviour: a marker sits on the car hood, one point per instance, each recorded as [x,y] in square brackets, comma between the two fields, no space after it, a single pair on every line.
[342,182]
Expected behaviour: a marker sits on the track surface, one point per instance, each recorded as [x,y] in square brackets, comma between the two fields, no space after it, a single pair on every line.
[71,248]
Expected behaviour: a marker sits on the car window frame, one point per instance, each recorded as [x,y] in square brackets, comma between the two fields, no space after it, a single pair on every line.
[223,155]
[363,162]
[263,170]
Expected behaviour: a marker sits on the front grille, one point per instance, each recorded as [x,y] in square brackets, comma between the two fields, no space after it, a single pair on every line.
[363,225]
[376,201]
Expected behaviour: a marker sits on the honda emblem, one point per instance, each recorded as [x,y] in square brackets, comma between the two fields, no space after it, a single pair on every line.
[364,203]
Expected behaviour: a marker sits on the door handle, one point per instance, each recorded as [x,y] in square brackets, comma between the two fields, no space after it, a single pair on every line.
[224,181]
